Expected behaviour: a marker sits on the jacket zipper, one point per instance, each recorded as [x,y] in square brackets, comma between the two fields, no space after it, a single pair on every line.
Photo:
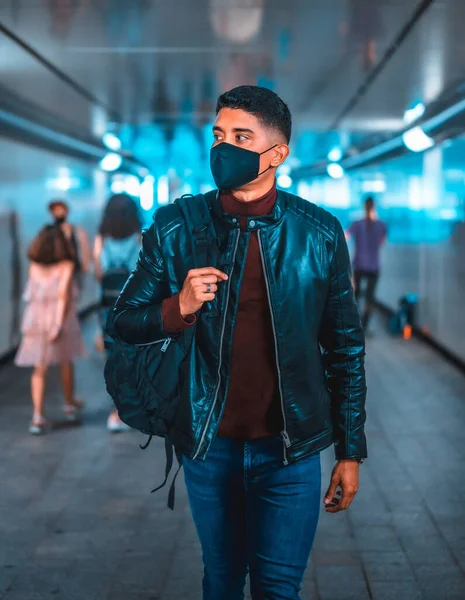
[284,434]
[167,341]
[220,352]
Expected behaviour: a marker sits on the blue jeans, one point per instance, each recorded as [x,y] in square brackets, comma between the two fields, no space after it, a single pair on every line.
[253,514]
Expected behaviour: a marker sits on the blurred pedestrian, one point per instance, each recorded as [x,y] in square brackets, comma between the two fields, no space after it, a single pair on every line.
[76,236]
[50,327]
[80,248]
[116,250]
[369,235]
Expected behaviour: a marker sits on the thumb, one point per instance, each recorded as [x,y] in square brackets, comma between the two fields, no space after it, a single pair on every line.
[331,491]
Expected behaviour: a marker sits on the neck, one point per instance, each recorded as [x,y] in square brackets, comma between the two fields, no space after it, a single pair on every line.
[254,190]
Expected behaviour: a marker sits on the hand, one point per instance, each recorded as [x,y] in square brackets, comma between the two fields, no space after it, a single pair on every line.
[344,476]
[99,344]
[55,334]
[194,291]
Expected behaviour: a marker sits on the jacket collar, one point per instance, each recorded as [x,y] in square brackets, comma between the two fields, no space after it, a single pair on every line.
[253,223]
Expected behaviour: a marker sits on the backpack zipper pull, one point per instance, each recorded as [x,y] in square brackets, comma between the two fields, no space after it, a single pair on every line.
[164,348]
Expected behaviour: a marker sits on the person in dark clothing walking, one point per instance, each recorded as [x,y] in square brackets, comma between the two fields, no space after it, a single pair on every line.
[278,369]
[369,235]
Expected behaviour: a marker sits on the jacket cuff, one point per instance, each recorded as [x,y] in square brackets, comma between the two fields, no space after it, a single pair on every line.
[171,316]
[360,455]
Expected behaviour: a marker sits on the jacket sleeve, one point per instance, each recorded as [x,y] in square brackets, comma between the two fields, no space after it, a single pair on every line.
[343,344]
[137,316]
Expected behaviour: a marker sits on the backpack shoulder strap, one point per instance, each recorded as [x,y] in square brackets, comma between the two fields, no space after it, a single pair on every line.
[106,250]
[196,211]
[75,244]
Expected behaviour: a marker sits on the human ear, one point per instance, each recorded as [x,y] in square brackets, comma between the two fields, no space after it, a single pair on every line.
[280,153]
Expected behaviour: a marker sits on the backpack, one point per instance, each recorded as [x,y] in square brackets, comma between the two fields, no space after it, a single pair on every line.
[143,379]
[76,251]
[114,278]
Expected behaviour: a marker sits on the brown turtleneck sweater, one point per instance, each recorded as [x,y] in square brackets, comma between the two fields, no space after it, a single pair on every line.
[253,408]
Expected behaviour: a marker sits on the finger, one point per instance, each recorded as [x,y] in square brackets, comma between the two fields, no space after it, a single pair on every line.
[205,279]
[347,497]
[336,499]
[332,509]
[333,504]
[331,491]
[205,288]
[208,297]
[207,271]
[202,289]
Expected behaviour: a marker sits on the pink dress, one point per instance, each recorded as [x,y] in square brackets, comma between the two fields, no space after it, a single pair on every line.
[39,321]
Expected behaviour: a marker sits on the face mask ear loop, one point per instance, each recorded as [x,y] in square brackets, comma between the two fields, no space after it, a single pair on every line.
[270,167]
[265,151]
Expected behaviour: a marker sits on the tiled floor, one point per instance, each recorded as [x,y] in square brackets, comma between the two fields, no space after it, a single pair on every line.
[77,521]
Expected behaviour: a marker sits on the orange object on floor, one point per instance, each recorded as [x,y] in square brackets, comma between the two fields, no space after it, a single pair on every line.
[407,332]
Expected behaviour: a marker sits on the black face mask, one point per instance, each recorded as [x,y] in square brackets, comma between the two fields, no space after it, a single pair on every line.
[60,220]
[233,167]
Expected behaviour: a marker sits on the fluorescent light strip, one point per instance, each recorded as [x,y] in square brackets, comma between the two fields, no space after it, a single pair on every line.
[443,116]
[49,134]
[372,153]
[159,50]
[397,142]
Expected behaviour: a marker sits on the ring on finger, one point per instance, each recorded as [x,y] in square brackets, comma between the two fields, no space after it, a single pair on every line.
[209,287]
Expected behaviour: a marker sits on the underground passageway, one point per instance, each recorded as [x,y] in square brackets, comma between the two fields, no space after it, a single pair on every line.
[77,520]
[107,111]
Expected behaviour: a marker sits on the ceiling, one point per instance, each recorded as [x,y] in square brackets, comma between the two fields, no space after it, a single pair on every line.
[158,66]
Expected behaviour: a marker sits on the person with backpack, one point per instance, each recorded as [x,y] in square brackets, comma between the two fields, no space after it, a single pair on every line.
[116,249]
[79,247]
[51,333]
[238,339]
[76,237]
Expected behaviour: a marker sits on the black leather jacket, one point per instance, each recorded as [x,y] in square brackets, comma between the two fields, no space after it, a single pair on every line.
[318,335]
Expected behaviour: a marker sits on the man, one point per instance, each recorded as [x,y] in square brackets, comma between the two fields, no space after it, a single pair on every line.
[277,374]
[369,235]
[76,235]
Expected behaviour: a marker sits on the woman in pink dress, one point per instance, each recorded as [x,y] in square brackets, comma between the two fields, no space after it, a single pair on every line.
[51,330]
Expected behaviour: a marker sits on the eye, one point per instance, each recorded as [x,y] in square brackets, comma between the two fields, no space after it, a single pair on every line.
[241,138]
[217,137]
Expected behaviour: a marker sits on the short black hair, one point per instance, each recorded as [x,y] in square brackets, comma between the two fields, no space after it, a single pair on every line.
[369,203]
[262,103]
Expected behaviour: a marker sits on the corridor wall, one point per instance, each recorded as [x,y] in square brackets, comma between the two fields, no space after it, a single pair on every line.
[29,179]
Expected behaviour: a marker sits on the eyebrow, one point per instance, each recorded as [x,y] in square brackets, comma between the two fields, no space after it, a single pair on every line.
[235,130]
